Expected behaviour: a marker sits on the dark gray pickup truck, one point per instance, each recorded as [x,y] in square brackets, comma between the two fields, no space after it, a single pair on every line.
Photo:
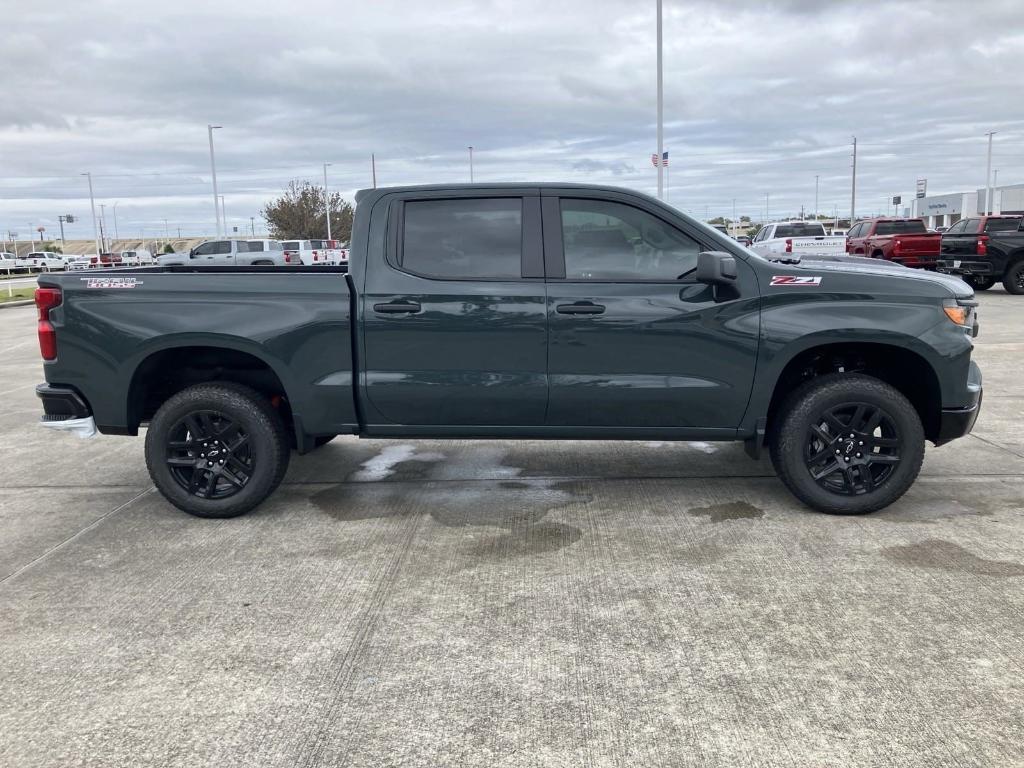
[516,311]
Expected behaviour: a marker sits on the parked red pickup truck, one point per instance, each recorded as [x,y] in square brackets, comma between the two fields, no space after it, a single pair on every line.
[905,241]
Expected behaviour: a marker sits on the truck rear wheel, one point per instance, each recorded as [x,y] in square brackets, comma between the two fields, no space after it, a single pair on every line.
[847,444]
[1013,280]
[217,450]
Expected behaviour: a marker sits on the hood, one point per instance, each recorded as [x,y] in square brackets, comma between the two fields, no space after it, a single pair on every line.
[853,265]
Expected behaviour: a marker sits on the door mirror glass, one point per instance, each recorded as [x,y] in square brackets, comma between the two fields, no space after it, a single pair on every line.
[716,268]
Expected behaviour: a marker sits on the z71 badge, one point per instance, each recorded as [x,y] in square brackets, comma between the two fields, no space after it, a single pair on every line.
[111,282]
[796,280]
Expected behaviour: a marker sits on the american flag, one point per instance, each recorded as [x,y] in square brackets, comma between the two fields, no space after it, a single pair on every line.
[664,159]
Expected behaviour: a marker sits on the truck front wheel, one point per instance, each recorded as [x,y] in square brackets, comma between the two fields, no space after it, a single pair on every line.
[216,450]
[847,444]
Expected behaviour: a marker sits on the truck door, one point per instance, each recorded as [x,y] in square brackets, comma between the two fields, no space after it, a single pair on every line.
[634,340]
[453,317]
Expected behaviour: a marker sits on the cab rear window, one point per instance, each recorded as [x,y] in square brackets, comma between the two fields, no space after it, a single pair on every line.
[799,230]
[1002,225]
[909,227]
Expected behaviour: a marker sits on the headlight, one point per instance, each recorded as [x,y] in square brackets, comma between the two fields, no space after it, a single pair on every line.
[964,313]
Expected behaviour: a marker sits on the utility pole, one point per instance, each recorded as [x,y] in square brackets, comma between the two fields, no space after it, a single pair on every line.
[470,165]
[661,147]
[103,226]
[213,174]
[92,204]
[853,185]
[167,232]
[734,213]
[327,202]
[252,226]
[816,198]
[767,197]
[115,220]
[988,173]
[224,216]
[373,169]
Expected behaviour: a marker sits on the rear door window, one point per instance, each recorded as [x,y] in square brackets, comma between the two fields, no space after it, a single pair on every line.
[472,238]
[255,245]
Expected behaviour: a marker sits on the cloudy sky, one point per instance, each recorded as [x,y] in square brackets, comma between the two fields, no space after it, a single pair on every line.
[759,99]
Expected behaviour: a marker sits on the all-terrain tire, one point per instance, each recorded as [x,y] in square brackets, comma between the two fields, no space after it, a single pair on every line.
[174,455]
[811,424]
[1013,280]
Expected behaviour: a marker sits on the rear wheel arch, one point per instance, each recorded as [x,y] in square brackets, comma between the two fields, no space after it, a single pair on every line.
[165,372]
[903,369]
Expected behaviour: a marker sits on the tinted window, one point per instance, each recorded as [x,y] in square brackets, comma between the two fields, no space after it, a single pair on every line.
[799,229]
[255,246]
[907,227]
[972,226]
[204,250]
[290,245]
[612,241]
[317,244]
[854,230]
[222,246]
[471,238]
[957,228]
[1002,225]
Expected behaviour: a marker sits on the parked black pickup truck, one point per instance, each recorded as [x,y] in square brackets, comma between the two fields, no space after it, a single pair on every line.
[984,250]
[489,311]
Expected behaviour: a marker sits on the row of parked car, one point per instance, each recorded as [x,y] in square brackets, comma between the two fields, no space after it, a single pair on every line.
[983,250]
[211,253]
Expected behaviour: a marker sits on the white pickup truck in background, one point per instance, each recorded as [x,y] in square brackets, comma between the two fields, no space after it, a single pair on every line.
[138,258]
[799,238]
[321,253]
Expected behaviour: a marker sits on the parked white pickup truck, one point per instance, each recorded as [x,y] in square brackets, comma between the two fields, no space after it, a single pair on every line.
[41,261]
[800,238]
[219,253]
[320,253]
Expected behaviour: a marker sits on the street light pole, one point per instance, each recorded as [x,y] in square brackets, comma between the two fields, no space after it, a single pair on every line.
[661,148]
[470,165]
[853,185]
[103,225]
[116,237]
[988,173]
[92,204]
[327,202]
[815,198]
[224,215]
[213,174]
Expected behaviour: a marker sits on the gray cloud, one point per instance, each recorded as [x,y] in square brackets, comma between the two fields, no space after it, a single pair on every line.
[759,98]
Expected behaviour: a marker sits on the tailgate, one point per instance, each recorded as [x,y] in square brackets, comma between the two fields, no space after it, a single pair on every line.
[918,245]
[820,244]
[959,245]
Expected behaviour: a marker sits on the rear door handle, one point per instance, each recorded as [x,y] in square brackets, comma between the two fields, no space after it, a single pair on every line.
[580,308]
[396,307]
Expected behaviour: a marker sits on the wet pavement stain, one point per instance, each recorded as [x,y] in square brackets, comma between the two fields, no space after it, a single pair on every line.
[947,556]
[526,540]
[731,510]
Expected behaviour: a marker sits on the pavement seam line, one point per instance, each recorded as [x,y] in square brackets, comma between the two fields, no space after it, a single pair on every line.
[75,535]
[997,445]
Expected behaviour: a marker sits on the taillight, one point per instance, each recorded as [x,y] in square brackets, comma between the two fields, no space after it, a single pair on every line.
[896,246]
[983,245]
[287,258]
[47,299]
[789,245]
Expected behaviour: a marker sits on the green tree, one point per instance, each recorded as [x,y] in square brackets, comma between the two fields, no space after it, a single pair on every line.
[168,248]
[50,246]
[299,214]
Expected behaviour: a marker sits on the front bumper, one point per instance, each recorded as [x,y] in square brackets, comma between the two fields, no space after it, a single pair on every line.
[957,422]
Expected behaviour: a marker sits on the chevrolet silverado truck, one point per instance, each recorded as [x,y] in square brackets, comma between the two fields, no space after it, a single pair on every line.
[985,249]
[516,311]
[800,238]
[904,241]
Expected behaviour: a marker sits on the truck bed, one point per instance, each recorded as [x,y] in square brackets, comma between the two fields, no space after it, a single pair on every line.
[282,323]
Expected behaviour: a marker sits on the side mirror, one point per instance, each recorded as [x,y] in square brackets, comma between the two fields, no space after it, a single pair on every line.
[716,268]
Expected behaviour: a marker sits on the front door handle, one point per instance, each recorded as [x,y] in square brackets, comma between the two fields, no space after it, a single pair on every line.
[397,307]
[580,308]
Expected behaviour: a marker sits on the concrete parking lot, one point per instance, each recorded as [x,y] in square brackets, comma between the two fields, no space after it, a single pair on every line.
[514,604]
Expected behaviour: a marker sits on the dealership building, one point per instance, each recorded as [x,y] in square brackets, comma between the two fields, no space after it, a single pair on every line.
[944,210]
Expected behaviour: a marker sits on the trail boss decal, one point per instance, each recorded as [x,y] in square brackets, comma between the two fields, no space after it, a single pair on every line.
[110,282]
[796,280]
